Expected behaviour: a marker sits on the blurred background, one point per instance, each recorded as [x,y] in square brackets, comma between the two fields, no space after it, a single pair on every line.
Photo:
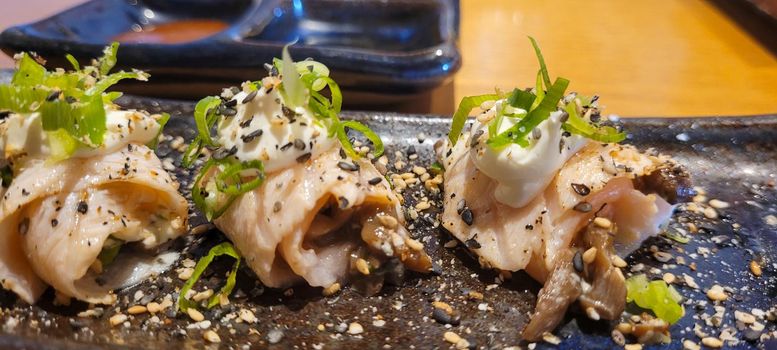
[647,58]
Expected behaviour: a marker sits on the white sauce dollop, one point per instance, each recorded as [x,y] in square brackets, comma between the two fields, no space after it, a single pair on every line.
[23,134]
[262,130]
[522,173]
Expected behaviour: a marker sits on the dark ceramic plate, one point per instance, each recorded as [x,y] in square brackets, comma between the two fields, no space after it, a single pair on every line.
[397,48]
[732,158]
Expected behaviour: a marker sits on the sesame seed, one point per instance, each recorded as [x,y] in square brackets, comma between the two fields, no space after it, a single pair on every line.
[581,189]
[755,268]
[137,309]
[467,216]
[577,262]
[375,180]
[277,206]
[195,315]
[117,319]
[210,335]
[718,204]
[583,207]
[331,290]
[716,293]
[618,261]
[249,97]
[602,222]
[712,342]
[362,266]
[347,166]
[82,207]
[589,255]
[355,328]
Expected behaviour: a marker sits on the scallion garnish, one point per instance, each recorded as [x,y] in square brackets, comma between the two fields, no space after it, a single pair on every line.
[466,106]
[225,248]
[368,133]
[656,296]
[538,104]
[71,104]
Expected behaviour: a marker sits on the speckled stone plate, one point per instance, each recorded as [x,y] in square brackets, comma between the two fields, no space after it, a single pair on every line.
[733,159]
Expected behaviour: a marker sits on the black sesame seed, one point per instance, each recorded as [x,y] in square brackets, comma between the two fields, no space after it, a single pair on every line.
[564,117]
[222,153]
[460,206]
[583,207]
[246,123]
[54,222]
[375,180]
[4,114]
[299,144]
[82,207]
[70,99]
[252,135]
[443,317]
[566,134]
[472,243]
[529,227]
[24,226]
[249,97]
[24,192]
[343,202]
[304,158]
[476,138]
[348,166]
[581,189]
[228,112]
[287,146]
[467,216]
[411,151]
[342,154]
[577,261]
[230,103]
[53,96]
[277,207]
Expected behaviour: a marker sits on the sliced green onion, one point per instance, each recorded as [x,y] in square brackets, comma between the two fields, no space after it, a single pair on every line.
[437,168]
[656,296]
[295,92]
[676,236]
[73,62]
[114,78]
[85,121]
[63,145]
[521,99]
[215,205]
[110,251]
[234,171]
[162,121]
[29,72]
[539,91]
[108,61]
[225,248]
[191,153]
[543,68]
[518,132]
[204,116]
[342,135]
[466,106]
[577,125]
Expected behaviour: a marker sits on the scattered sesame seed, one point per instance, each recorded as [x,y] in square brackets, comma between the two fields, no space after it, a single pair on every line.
[602,222]
[589,255]
[355,328]
[137,309]
[712,342]
[581,189]
[755,268]
[362,266]
[583,207]
[117,319]
[195,315]
[210,335]
[716,293]
[718,204]
[331,290]
[618,261]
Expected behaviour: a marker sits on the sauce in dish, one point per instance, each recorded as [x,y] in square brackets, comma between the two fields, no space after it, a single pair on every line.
[174,32]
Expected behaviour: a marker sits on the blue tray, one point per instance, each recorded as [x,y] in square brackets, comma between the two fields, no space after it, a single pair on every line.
[398,47]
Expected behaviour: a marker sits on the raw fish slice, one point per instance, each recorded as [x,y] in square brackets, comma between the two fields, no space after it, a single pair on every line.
[313,220]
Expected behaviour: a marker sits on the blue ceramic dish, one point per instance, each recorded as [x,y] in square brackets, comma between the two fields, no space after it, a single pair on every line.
[398,47]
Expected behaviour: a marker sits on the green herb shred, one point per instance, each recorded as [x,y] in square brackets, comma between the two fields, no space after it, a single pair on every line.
[538,104]
[225,248]
[71,103]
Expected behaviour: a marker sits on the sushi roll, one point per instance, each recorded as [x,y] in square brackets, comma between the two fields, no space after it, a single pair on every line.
[285,184]
[540,183]
[85,201]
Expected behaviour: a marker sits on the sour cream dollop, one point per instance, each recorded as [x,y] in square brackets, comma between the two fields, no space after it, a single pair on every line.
[522,173]
[23,134]
[265,129]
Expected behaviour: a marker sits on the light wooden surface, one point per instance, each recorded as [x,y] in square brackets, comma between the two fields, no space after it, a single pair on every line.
[644,58]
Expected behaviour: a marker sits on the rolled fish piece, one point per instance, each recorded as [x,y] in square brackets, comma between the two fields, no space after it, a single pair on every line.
[287,186]
[85,201]
[540,181]
[312,222]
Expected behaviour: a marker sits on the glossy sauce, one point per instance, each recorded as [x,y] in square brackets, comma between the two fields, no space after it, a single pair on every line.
[174,32]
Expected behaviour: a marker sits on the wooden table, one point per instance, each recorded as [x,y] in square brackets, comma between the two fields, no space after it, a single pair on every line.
[647,58]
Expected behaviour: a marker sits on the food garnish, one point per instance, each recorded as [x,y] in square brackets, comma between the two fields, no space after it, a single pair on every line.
[225,248]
